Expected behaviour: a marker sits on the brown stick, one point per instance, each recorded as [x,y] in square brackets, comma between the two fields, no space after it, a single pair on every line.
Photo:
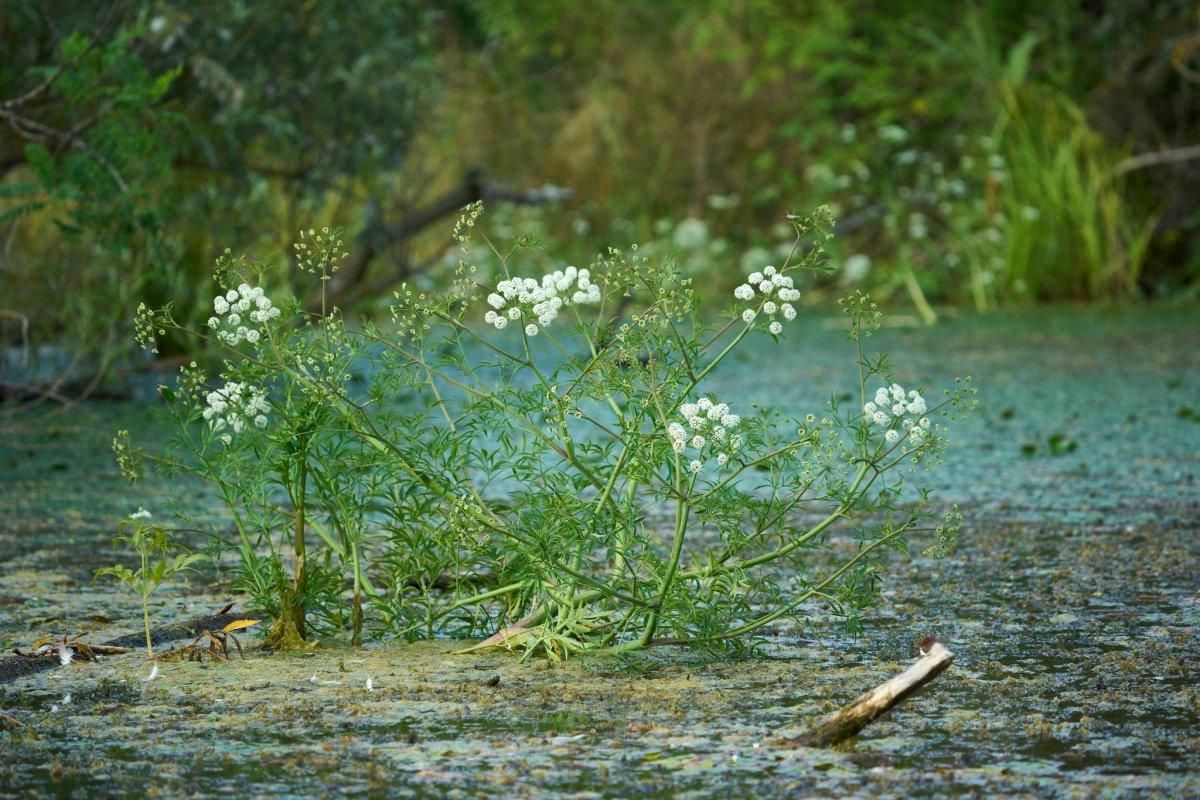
[851,719]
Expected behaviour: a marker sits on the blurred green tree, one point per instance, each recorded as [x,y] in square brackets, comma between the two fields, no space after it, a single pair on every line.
[141,137]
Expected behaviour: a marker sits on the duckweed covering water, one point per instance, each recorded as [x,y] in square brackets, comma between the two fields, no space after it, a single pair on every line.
[1072,606]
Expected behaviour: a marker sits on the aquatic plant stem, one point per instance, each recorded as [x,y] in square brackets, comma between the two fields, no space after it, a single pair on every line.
[145,556]
[768,618]
[816,530]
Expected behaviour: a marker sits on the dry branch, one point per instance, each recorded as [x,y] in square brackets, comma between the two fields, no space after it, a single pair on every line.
[851,719]
[379,235]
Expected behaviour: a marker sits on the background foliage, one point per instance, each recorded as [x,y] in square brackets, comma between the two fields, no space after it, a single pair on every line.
[982,154]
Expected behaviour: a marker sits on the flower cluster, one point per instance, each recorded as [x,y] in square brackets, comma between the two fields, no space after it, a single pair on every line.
[229,324]
[235,406]
[711,426]
[519,299]
[892,404]
[769,282]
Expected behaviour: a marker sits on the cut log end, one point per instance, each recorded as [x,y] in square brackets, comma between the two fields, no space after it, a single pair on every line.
[849,720]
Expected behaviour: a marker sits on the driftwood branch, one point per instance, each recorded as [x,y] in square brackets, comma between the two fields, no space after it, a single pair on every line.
[851,719]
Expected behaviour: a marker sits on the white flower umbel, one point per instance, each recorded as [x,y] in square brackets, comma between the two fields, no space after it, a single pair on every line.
[539,303]
[771,293]
[899,414]
[234,407]
[707,430]
[241,314]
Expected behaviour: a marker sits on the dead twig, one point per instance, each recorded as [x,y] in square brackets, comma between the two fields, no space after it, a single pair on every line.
[1156,158]
[851,719]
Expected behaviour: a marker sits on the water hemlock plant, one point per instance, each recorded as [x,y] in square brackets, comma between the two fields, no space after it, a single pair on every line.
[537,459]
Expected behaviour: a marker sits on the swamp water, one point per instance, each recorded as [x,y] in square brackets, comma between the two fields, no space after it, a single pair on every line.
[1072,606]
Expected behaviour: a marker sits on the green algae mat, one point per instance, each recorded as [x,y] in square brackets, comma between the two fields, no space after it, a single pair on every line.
[1072,606]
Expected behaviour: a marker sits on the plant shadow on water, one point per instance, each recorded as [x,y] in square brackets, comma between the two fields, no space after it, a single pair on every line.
[1071,607]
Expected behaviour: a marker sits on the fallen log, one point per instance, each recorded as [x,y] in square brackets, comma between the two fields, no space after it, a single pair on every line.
[850,719]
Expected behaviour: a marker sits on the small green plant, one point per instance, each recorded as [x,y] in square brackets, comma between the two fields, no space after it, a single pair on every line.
[537,459]
[156,565]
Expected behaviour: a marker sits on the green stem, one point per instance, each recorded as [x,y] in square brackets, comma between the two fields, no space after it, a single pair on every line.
[146,608]
[713,571]
[766,619]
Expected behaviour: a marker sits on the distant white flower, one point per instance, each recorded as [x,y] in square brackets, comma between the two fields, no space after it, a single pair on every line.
[856,268]
[691,234]
[695,466]
[722,458]
[141,513]
[370,684]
